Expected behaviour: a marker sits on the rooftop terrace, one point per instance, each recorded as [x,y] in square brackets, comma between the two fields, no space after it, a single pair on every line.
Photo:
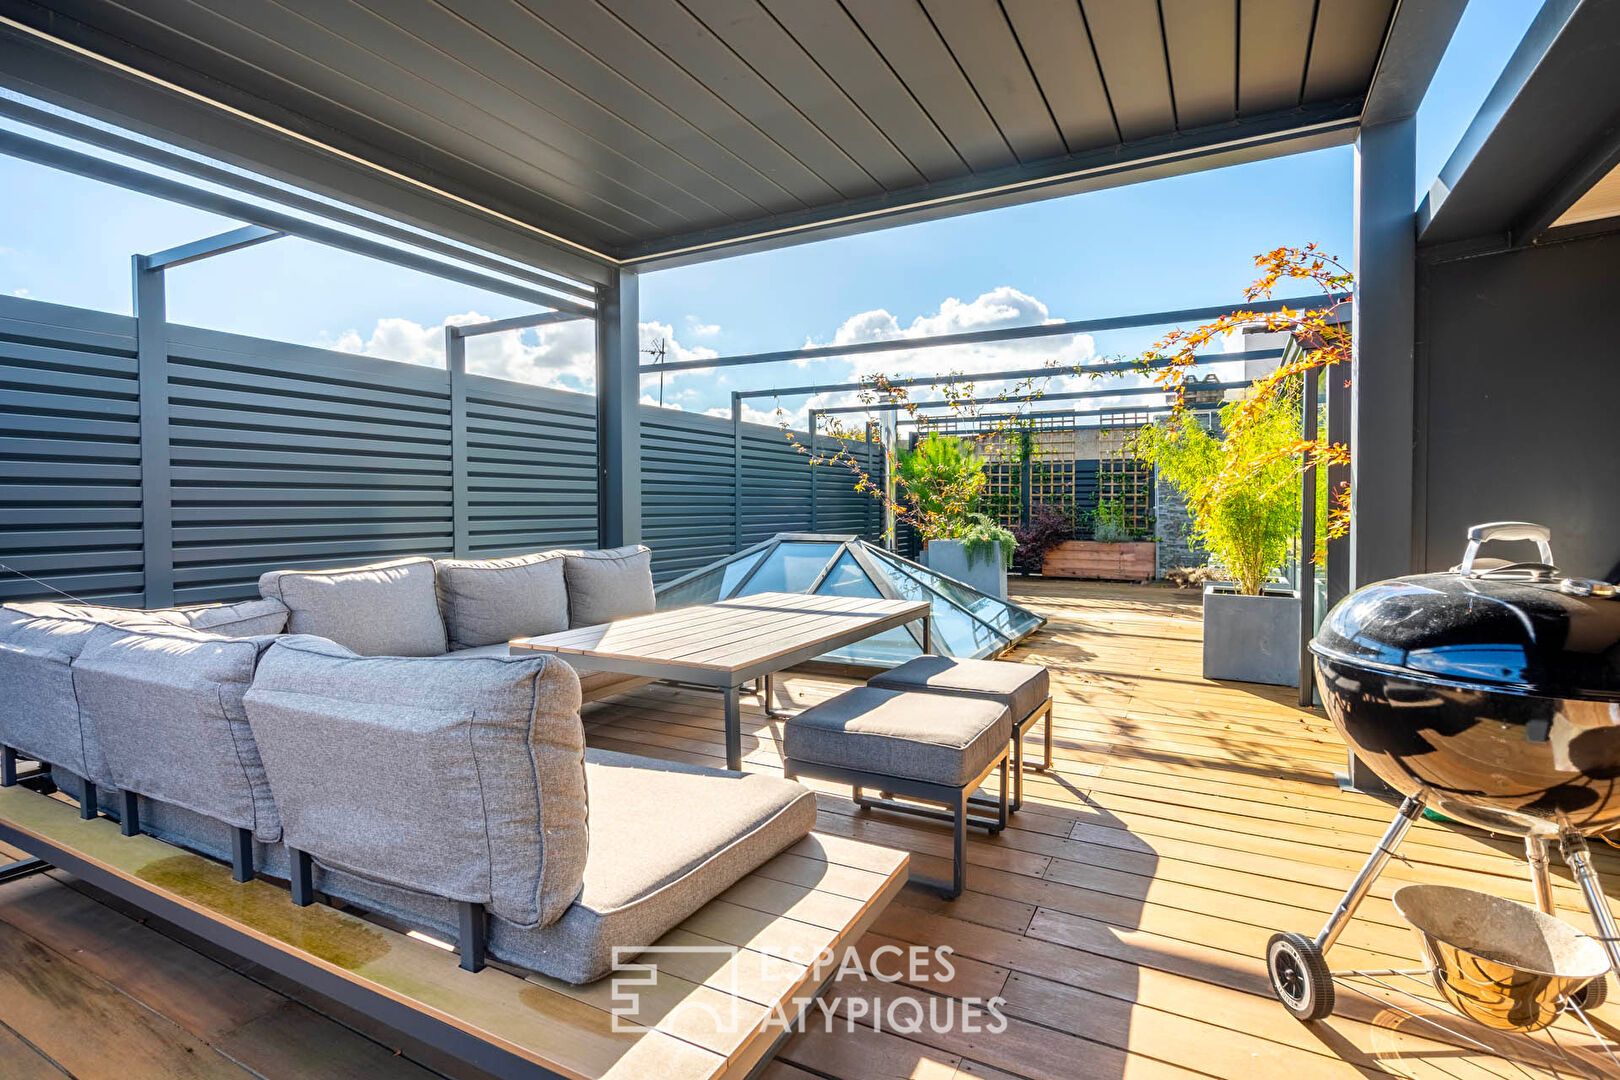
[1122,915]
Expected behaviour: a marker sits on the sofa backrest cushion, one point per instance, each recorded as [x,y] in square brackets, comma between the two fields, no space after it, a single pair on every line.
[489,601]
[167,708]
[460,777]
[112,616]
[607,585]
[39,712]
[384,609]
[246,618]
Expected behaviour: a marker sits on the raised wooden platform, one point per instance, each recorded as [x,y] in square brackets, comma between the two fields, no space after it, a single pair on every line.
[717,994]
[1121,916]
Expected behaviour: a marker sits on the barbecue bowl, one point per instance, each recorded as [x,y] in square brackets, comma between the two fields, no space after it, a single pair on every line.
[1501,963]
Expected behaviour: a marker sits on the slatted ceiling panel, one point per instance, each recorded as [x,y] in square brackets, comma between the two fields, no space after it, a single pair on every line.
[911,46]
[623,54]
[288,456]
[1201,41]
[760,41]
[531,468]
[1058,48]
[69,453]
[1130,51]
[982,42]
[831,37]
[674,30]
[432,40]
[433,102]
[550,59]
[1274,39]
[1345,45]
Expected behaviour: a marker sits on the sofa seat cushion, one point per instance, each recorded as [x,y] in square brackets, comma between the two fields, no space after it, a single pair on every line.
[648,869]
[39,712]
[893,733]
[384,609]
[167,709]
[458,777]
[607,585]
[492,601]
[1020,687]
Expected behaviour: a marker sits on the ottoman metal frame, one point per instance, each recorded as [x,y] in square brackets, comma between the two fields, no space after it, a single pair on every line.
[955,799]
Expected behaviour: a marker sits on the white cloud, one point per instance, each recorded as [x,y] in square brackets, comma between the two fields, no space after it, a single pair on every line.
[697,328]
[24,293]
[561,355]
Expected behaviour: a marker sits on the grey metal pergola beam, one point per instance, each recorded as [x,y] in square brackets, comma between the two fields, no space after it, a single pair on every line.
[248,185]
[73,161]
[209,246]
[1119,367]
[1008,333]
[1063,395]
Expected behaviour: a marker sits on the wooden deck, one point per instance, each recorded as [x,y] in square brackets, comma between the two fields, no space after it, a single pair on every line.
[1121,917]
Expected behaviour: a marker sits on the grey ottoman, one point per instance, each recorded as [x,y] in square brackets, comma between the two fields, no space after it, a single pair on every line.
[911,744]
[1025,689]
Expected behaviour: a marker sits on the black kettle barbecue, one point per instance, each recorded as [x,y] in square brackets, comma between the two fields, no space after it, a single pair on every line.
[1490,693]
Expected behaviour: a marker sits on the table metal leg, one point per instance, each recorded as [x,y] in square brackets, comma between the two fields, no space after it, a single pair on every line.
[768,698]
[733,729]
[927,632]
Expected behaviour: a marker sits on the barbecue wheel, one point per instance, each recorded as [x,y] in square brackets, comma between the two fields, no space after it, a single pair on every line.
[1299,976]
[1593,994]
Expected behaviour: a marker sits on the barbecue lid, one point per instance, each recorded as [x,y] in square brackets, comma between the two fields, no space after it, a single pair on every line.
[1512,626]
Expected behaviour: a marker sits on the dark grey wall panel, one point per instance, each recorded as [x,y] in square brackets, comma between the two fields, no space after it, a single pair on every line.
[1517,384]
[70,494]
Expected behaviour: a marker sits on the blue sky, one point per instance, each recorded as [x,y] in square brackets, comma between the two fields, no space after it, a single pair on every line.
[1172,243]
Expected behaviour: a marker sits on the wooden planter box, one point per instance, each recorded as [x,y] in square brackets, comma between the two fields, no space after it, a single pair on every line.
[1096,561]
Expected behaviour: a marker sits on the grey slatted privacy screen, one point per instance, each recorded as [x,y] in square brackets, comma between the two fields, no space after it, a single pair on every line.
[284,455]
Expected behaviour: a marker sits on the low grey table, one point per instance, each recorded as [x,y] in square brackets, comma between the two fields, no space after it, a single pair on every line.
[729,644]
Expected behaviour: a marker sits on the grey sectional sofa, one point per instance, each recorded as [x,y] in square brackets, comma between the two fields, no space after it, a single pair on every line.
[363,734]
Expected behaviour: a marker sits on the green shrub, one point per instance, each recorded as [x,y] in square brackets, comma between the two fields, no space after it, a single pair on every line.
[1249,527]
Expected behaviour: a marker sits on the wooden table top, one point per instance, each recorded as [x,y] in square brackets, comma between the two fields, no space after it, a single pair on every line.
[729,637]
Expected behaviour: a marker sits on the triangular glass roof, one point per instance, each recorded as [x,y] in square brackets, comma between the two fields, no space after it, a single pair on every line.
[966,622]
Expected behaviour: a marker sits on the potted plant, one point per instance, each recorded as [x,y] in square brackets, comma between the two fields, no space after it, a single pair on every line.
[943,479]
[1251,623]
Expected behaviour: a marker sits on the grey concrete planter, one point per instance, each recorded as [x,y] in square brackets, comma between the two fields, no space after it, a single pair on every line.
[1251,638]
[949,557]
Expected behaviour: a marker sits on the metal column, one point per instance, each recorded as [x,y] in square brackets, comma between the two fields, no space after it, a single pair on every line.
[736,472]
[815,430]
[618,410]
[1307,540]
[455,361]
[152,366]
[1338,433]
[1383,363]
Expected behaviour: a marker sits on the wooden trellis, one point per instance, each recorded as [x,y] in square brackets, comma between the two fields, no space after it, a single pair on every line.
[1121,476]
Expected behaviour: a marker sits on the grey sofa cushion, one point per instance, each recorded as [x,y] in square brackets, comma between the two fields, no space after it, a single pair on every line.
[491,601]
[246,618]
[112,616]
[462,778]
[384,609]
[167,709]
[648,869]
[919,736]
[39,712]
[1020,687]
[606,585]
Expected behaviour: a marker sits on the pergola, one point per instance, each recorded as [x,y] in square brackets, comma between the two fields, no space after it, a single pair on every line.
[561,150]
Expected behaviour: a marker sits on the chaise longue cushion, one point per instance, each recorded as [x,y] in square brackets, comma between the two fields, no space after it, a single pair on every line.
[384,609]
[39,712]
[492,601]
[457,777]
[166,706]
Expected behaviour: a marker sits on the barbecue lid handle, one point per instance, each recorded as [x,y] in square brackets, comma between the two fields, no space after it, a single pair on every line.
[1506,530]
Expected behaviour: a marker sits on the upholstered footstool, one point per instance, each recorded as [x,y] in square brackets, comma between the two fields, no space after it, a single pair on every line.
[1025,690]
[915,745]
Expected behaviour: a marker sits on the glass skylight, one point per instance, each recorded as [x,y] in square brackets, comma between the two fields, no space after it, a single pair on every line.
[966,622]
